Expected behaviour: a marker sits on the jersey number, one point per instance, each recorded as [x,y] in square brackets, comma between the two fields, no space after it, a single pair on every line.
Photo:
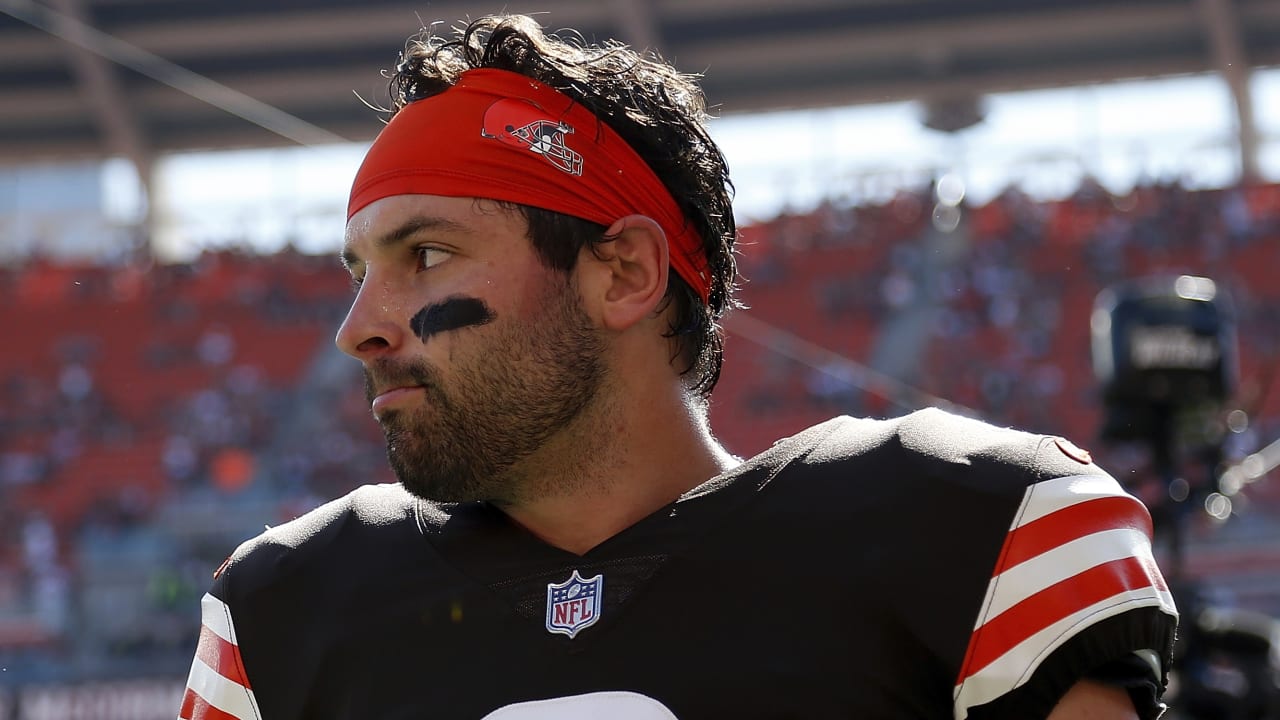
[616,705]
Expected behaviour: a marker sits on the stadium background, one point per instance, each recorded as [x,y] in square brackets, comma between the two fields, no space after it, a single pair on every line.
[154,414]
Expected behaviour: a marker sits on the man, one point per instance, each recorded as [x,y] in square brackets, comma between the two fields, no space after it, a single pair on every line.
[541,240]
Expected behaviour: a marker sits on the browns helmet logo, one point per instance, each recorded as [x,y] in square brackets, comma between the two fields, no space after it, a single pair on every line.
[522,124]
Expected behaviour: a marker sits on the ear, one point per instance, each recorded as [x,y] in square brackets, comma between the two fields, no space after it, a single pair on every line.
[629,277]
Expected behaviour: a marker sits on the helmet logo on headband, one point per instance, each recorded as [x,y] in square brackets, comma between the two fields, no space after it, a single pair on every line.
[523,125]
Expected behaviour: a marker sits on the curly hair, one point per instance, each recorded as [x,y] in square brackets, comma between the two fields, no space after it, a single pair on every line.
[661,114]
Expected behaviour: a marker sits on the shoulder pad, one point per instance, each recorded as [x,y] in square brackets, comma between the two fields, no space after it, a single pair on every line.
[955,448]
[283,549]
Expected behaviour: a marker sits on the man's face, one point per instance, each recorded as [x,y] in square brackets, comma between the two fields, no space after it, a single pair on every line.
[475,354]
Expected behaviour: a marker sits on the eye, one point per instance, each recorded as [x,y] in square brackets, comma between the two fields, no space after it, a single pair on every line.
[356,282]
[429,257]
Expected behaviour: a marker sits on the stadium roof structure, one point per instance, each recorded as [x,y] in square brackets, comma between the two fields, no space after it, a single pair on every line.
[138,78]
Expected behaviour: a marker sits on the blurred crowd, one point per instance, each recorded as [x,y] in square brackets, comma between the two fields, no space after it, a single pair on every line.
[152,417]
[995,311]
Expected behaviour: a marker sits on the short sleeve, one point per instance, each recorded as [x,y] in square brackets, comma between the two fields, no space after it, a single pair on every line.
[1075,587]
[218,687]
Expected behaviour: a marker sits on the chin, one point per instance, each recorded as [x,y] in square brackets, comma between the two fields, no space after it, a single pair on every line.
[436,486]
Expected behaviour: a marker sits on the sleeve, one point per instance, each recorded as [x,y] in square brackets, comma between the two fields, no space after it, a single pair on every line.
[264,619]
[218,687]
[1075,592]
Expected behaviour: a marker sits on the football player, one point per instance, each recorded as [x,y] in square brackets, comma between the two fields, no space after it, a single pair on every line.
[541,241]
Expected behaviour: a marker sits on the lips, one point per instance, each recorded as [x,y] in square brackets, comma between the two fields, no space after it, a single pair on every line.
[395,398]
[390,384]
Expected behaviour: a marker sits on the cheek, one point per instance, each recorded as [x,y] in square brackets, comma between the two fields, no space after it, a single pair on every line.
[544,290]
[452,313]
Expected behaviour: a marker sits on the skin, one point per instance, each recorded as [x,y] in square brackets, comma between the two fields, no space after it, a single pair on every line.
[639,441]
[642,441]
[1088,700]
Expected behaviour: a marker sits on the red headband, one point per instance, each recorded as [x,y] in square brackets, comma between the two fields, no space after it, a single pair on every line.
[500,135]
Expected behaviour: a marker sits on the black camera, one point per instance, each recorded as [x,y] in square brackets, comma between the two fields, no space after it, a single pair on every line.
[1161,345]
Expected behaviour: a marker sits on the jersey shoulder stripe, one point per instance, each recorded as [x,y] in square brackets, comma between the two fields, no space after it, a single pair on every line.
[1078,552]
[218,687]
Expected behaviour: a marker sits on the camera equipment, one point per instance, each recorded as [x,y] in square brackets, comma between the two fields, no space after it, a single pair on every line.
[1164,353]
[1161,347]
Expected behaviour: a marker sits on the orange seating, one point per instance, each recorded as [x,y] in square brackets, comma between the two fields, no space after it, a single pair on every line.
[817,277]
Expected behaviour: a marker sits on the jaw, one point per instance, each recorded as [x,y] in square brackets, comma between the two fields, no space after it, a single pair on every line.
[576,461]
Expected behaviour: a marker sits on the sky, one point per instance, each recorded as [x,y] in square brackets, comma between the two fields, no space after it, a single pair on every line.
[1042,141]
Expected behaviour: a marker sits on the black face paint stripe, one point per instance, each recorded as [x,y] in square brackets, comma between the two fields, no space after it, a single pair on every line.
[450,314]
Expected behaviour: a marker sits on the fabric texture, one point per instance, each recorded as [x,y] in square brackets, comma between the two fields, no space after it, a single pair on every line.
[845,572]
[503,136]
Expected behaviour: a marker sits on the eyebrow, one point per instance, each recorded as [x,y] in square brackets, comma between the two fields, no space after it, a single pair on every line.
[407,229]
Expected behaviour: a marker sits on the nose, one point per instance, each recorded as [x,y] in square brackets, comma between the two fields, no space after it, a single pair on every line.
[372,326]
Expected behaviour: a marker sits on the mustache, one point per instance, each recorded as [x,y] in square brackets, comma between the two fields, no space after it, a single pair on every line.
[381,375]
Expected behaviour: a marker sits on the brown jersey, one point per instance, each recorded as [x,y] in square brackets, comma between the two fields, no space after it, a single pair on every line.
[929,566]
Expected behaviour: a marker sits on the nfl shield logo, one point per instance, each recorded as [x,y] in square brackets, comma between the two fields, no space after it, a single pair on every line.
[573,604]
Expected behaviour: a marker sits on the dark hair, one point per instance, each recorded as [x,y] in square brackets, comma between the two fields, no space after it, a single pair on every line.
[661,114]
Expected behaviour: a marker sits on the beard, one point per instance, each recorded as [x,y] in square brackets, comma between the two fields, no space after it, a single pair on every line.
[512,392]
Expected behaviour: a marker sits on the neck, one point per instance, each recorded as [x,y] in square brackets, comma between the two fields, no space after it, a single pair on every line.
[612,468]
